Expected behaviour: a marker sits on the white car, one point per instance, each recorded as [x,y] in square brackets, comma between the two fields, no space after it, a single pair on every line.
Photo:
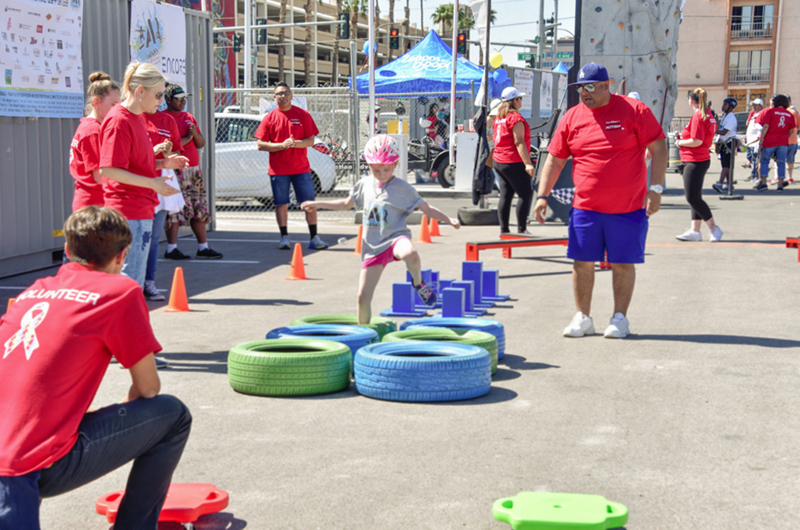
[241,169]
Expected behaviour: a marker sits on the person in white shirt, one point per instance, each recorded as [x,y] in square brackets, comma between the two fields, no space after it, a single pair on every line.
[724,146]
[752,137]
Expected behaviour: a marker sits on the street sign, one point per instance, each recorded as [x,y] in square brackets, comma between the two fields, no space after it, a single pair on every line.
[525,56]
[564,55]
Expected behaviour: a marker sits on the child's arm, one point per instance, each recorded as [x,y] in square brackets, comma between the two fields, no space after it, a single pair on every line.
[439,215]
[342,204]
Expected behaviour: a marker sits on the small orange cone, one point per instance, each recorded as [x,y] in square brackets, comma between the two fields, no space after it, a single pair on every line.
[358,241]
[435,228]
[424,234]
[178,303]
[298,271]
[10,301]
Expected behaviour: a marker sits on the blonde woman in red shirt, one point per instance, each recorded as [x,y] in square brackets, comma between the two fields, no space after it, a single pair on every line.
[694,145]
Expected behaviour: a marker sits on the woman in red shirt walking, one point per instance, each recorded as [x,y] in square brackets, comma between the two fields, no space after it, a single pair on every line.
[84,153]
[128,164]
[512,160]
[694,144]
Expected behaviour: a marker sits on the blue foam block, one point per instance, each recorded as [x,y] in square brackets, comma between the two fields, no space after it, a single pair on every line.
[453,303]
[491,286]
[403,295]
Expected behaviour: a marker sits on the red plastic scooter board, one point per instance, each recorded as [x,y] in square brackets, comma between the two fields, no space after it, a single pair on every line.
[185,502]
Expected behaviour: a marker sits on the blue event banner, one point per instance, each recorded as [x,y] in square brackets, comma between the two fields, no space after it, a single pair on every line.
[40,104]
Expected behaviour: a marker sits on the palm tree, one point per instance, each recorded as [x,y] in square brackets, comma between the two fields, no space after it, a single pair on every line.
[354,8]
[408,16]
[391,23]
[281,40]
[307,56]
[335,56]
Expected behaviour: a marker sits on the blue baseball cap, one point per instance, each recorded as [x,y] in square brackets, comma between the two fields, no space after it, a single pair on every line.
[591,73]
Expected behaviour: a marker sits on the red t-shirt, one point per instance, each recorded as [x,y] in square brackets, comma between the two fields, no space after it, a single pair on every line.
[780,122]
[124,143]
[607,147]
[276,127]
[84,157]
[184,120]
[699,129]
[160,128]
[505,150]
[74,323]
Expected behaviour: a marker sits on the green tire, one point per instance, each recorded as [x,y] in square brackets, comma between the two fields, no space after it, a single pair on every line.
[485,340]
[380,324]
[289,367]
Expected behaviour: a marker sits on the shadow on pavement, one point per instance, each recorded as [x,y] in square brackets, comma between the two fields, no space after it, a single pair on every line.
[495,395]
[214,362]
[517,362]
[764,342]
[504,374]
[248,301]
[214,521]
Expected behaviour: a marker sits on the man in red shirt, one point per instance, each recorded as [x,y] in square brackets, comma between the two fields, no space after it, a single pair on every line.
[286,133]
[606,137]
[778,127]
[58,338]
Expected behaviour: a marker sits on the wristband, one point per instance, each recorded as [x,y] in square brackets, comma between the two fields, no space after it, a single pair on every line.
[541,197]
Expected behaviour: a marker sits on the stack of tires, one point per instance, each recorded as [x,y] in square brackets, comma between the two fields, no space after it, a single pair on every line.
[463,324]
[380,324]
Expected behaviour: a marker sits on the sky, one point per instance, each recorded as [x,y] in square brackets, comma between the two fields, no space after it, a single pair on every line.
[516,21]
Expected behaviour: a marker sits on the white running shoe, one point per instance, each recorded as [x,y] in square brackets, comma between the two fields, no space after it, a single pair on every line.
[285,243]
[618,328]
[581,325]
[690,235]
[716,234]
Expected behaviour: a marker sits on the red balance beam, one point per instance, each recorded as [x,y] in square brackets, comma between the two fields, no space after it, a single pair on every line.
[507,242]
[794,242]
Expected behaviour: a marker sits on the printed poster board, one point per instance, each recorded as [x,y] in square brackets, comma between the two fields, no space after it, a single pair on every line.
[546,96]
[158,36]
[523,81]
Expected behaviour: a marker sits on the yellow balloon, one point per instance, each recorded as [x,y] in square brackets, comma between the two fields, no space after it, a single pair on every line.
[496,60]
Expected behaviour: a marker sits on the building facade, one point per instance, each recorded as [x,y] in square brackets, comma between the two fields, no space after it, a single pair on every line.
[744,49]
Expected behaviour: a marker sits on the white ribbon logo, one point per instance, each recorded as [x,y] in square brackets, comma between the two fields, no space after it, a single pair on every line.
[27,331]
[782,123]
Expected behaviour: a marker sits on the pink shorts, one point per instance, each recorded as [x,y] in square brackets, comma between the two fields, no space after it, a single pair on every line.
[385,257]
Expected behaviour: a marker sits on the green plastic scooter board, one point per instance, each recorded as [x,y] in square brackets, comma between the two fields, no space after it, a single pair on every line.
[531,510]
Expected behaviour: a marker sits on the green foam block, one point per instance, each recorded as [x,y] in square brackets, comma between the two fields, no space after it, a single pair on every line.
[531,510]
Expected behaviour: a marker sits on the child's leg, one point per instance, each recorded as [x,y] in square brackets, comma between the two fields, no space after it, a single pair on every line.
[405,251]
[366,288]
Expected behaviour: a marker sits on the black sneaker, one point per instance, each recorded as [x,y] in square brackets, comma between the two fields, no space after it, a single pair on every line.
[151,293]
[761,187]
[207,253]
[161,363]
[176,255]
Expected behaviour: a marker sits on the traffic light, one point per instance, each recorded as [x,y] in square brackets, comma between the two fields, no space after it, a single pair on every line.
[550,31]
[344,29]
[237,43]
[262,79]
[394,39]
[261,34]
[462,43]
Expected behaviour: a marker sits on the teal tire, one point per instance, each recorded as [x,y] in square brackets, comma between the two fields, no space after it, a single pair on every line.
[484,340]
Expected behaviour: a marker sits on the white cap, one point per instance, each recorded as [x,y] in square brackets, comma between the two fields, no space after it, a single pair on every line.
[634,95]
[494,106]
[510,93]
[757,101]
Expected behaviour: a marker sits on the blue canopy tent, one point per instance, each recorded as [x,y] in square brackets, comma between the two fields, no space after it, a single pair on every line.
[427,67]
[561,68]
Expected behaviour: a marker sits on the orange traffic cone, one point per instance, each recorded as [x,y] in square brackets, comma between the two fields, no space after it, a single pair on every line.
[298,271]
[10,301]
[358,241]
[178,303]
[424,234]
[435,228]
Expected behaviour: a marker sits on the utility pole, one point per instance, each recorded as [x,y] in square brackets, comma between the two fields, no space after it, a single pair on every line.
[555,34]
[421,17]
[540,45]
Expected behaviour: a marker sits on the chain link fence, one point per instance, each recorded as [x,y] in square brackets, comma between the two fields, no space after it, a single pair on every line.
[242,186]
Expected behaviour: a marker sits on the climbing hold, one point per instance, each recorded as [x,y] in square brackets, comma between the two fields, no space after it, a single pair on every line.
[655,102]
[591,41]
[598,9]
[667,33]
[638,28]
[651,58]
[621,25]
[658,78]
[626,48]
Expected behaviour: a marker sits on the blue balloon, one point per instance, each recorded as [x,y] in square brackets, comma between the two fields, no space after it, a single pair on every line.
[500,75]
[365,48]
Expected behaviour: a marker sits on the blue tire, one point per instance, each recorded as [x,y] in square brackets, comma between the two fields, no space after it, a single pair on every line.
[422,371]
[480,324]
[354,337]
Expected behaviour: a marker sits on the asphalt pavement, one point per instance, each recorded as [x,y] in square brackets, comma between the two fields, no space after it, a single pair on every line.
[690,422]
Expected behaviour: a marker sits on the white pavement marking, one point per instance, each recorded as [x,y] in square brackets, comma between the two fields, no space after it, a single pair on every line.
[14,288]
[210,261]
[255,240]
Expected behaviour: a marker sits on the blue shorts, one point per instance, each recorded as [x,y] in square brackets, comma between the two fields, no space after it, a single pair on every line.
[790,154]
[592,234]
[302,183]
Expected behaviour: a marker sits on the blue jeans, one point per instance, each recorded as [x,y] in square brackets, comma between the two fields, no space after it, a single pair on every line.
[152,255]
[752,158]
[151,432]
[766,154]
[136,262]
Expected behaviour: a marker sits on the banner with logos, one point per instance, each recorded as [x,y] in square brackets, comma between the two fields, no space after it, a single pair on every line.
[158,36]
[546,96]
[40,55]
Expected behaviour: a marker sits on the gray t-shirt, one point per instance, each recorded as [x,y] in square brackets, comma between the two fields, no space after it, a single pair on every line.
[385,210]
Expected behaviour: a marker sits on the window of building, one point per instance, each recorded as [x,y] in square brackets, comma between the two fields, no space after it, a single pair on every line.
[752,22]
[749,66]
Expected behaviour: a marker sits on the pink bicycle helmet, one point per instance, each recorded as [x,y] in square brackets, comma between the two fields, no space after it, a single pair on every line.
[381,149]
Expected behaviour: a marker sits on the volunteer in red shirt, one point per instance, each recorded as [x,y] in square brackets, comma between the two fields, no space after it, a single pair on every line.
[694,144]
[58,338]
[84,153]
[128,165]
[606,135]
[286,133]
[778,125]
[512,160]
[195,212]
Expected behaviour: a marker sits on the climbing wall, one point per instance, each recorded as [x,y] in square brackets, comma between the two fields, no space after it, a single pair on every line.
[636,40]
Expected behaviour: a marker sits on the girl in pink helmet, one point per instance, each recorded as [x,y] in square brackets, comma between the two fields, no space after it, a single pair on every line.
[386,202]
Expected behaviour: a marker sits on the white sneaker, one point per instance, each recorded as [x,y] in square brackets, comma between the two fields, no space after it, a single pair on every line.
[618,328]
[581,325]
[690,235]
[716,234]
[285,243]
